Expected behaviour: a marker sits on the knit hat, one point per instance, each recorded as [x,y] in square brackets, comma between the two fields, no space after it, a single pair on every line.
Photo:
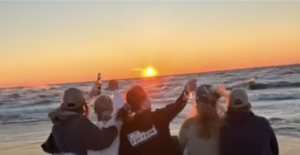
[73,99]
[207,94]
[238,99]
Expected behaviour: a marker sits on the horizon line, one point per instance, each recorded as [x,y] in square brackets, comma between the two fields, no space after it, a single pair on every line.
[159,76]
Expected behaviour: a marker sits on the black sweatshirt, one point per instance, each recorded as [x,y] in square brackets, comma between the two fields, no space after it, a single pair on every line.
[148,133]
[247,134]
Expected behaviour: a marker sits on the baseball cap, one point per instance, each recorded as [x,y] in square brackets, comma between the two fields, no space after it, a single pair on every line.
[238,98]
[206,94]
[73,99]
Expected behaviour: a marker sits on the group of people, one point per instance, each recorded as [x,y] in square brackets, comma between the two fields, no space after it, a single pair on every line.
[132,128]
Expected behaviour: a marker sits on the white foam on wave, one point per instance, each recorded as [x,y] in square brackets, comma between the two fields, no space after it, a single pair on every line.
[33,103]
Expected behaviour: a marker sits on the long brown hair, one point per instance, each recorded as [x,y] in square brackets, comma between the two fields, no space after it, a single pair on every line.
[135,96]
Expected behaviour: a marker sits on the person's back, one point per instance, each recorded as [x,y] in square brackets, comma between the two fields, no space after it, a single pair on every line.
[72,132]
[244,132]
[196,145]
[147,133]
[76,134]
[199,135]
[110,113]
[113,149]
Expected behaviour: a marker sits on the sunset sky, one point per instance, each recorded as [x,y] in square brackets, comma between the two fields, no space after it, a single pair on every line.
[58,42]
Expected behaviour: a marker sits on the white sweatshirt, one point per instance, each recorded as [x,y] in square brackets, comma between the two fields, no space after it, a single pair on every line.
[114,148]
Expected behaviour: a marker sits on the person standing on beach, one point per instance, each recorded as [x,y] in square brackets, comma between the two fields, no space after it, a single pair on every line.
[245,133]
[199,134]
[110,113]
[147,132]
[73,133]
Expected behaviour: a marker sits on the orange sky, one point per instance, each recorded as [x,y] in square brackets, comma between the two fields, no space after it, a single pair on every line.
[58,42]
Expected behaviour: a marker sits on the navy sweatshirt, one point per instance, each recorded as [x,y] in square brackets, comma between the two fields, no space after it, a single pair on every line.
[247,134]
[76,135]
[148,133]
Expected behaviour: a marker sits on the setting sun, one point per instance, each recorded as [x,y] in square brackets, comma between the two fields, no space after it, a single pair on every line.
[149,72]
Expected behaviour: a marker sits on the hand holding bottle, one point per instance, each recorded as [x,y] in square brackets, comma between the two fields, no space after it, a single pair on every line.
[99,82]
[113,85]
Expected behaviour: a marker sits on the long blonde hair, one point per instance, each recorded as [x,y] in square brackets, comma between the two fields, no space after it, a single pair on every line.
[208,118]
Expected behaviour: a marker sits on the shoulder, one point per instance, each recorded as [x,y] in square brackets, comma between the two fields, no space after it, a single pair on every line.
[188,122]
[84,123]
[262,121]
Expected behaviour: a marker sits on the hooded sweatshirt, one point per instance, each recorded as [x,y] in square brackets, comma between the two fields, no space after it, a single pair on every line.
[75,135]
[245,133]
[148,133]
[114,148]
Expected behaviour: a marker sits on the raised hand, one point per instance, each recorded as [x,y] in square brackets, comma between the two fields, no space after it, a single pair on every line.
[191,85]
[222,90]
[95,91]
[113,85]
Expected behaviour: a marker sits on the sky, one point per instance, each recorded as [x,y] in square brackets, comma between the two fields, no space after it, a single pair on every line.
[58,42]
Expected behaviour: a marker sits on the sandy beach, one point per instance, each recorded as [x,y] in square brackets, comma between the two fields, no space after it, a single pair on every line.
[15,141]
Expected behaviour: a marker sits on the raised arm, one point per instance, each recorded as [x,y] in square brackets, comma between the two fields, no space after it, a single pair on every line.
[96,139]
[167,114]
[93,93]
[113,86]
[118,100]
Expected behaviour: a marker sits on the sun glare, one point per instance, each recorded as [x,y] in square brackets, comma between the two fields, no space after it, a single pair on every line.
[149,72]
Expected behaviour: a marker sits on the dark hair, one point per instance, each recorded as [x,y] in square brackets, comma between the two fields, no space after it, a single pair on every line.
[135,96]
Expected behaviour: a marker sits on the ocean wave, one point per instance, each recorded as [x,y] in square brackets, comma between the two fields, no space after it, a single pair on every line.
[39,103]
[275,96]
[283,84]
[32,104]
[14,95]
[252,84]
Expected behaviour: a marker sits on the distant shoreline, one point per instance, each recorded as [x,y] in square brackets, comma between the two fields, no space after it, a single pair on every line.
[135,78]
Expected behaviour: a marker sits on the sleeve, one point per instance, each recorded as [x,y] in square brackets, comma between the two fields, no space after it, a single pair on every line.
[274,143]
[50,146]
[118,100]
[97,139]
[167,114]
[90,95]
[183,134]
